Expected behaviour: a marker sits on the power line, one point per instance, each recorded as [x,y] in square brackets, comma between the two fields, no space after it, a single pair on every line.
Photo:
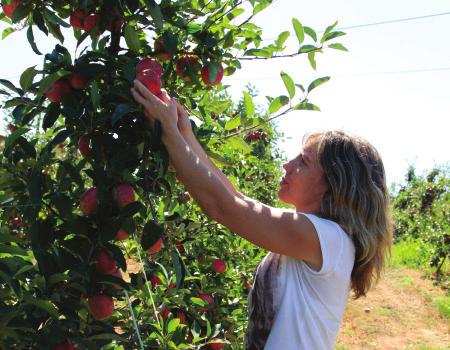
[380,23]
[424,70]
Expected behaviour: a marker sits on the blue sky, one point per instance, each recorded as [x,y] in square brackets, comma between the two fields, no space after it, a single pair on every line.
[405,115]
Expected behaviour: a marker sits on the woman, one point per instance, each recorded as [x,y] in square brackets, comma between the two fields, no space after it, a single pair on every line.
[335,241]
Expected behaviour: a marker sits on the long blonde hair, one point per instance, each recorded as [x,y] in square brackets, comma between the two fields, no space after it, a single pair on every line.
[357,199]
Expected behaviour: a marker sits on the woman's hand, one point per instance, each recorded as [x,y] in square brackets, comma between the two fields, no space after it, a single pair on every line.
[164,110]
[184,124]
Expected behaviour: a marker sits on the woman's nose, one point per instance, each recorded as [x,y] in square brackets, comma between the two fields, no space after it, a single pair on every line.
[286,166]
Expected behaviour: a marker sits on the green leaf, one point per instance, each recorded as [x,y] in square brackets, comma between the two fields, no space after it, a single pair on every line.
[307,48]
[12,139]
[95,95]
[282,38]
[299,31]
[277,103]
[26,79]
[113,280]
[306,106]
[7,31]
[309,31]
[300,86]
[30,37]
[312,59]
[59,138]
[11,86]
[107,336]
[55,30]
[51,116]
[13,250]
[330,28]
[132,39]
[331,36]
[121,110]
[39,21]
[179,267]
[338,46]
[258,53]
[317,82]
[233,123]
[249,105]
[261,6]
[42,304]
[155,12]
[173,325]
[238,144]
[289,83]
[50,16]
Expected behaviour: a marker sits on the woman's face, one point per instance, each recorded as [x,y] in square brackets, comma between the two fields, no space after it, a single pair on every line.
[303,184]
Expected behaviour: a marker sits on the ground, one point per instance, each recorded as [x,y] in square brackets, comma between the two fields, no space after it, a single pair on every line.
[399,313]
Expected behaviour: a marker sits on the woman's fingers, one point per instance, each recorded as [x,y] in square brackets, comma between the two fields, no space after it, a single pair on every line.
[138,97]
[144,91]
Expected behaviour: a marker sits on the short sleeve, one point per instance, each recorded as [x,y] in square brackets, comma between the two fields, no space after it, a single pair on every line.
[331,243]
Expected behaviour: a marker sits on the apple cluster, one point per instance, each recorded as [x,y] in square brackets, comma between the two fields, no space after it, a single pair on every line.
[256,135]
[82,21]
[61,88]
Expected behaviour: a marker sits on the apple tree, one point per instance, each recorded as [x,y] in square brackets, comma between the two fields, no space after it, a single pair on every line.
[100,246]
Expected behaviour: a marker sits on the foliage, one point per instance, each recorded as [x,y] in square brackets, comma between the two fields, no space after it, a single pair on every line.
[48,246]
[422,211]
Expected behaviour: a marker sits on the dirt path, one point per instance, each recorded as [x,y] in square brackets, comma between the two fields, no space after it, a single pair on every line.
[397,314]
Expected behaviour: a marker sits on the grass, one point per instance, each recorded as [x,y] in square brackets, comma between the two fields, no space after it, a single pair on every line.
[411,254]
[414,254]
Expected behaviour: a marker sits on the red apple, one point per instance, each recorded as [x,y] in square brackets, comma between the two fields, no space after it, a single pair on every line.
[206,76]
[105,263]
[208,299]
[88,201]
[90,22]
[181,316]
[155,247]
[165,313]
[124,195]
[121,235]
[179,246]
[219,266]
[149,64]
[66,345]
[8,10]
[151,80]
[18,222]
[216,345]
[58,90]
[77,19]
[155,280]
[11,128]
[186,66]
[200,260]
[78,81]
[161,51]
[84,146]
[101,306]
[247,285]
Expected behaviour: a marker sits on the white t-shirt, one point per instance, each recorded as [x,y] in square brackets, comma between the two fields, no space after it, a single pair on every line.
[293,307]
